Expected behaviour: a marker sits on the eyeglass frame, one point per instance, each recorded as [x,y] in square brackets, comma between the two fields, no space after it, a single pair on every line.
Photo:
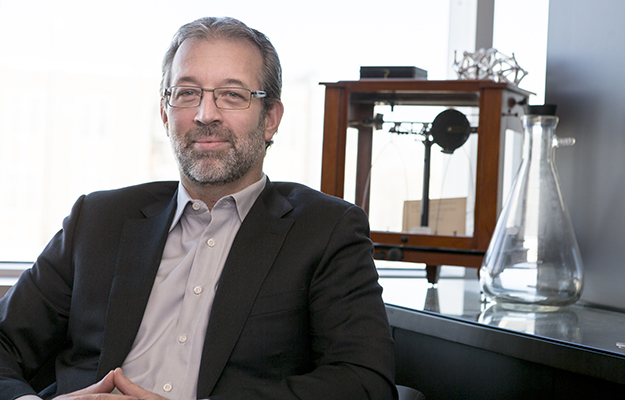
[254,94]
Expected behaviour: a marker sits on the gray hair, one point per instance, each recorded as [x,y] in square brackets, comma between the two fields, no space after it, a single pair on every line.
[229,29]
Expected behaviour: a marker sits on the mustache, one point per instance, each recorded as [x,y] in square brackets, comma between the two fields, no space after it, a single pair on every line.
[204,131]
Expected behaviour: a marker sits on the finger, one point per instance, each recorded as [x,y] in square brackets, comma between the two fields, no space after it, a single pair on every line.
[127,387]
[105,385]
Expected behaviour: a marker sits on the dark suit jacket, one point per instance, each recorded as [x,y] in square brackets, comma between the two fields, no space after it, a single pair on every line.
[297,315]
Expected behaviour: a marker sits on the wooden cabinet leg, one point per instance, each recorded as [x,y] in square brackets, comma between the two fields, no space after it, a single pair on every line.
[432,272]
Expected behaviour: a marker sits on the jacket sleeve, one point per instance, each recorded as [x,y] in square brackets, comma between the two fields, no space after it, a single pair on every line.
[351,341]
[34,314]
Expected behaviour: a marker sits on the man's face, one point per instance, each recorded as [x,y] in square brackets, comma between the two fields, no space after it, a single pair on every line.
[215,146]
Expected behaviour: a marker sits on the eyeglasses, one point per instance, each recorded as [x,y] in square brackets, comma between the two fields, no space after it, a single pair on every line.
[226,98]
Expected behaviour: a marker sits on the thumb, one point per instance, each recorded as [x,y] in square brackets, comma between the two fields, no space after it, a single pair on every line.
[127,387]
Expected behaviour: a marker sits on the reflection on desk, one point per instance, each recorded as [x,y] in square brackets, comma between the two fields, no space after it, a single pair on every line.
[562,324]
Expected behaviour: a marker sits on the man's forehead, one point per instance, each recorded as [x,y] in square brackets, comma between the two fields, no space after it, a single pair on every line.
[217,46]
[234,56]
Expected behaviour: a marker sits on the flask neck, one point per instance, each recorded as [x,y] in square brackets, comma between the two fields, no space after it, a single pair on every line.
[539,137]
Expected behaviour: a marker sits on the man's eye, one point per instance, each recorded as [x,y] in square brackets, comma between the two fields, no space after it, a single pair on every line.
[233,95]
[188,93]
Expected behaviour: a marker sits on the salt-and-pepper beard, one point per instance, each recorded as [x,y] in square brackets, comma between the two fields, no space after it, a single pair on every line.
[220,166]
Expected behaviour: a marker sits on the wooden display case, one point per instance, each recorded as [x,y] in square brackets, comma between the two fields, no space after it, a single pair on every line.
[349,101]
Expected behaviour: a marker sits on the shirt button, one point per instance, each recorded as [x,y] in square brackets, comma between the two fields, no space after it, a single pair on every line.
[211,242]
[197,289]
[196,206]
[167,387]
[182,338]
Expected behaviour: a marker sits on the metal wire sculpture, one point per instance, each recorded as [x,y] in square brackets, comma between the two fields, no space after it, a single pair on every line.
[489,64]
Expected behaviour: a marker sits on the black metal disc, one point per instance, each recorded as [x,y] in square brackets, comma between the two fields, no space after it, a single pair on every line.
[450,130]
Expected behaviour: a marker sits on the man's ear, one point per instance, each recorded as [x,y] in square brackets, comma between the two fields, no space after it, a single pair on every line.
[272,119]
[164,116]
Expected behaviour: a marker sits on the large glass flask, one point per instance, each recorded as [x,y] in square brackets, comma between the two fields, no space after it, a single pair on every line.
[533,260]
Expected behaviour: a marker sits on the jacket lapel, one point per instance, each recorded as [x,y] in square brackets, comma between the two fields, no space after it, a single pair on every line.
[252,254]
[139,256]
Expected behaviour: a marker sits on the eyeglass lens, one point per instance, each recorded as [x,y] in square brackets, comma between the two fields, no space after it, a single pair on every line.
[227,98]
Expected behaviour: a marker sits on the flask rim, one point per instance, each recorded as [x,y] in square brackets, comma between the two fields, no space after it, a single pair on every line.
[543,109]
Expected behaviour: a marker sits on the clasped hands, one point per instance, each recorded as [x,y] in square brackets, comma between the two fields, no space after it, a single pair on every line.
[102,390]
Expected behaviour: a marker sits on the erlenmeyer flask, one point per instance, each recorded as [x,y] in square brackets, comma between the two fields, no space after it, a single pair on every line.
[533,260]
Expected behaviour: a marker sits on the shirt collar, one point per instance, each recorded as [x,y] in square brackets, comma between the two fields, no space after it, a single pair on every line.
[243,199]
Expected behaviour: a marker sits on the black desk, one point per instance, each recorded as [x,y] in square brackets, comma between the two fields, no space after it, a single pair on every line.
[451,345]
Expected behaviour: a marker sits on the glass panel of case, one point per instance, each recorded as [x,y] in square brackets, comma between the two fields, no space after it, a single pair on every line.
[397,180]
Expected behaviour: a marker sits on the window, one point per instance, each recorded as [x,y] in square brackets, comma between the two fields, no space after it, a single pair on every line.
[68,127]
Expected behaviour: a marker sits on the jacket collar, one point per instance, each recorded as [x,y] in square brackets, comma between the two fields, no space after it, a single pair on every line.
[133,280]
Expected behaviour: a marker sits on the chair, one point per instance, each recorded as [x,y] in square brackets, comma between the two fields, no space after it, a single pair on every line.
[408,393]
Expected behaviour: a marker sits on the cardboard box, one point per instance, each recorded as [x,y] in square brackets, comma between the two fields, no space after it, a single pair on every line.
[447,217]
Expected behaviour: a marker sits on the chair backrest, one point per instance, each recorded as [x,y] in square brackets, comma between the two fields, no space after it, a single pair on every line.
[408,393]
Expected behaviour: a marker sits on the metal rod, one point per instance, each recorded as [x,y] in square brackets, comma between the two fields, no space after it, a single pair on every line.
[425,198]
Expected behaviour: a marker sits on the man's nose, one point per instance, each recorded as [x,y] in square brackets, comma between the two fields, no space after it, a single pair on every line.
[207,111]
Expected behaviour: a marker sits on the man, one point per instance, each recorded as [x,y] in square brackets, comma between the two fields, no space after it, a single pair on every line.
[224,285]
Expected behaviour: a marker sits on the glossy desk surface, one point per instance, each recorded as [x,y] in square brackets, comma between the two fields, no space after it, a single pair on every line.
[577,328]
